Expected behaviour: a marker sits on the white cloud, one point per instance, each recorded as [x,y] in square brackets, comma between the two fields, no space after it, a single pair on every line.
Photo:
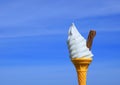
[32,33]
[15,13]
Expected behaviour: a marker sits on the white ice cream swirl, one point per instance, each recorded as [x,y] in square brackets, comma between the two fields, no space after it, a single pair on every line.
[77,44]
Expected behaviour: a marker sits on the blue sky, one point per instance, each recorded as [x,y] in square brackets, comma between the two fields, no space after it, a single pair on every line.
[33,34]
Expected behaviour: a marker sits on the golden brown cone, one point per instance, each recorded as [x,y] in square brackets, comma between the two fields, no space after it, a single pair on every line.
[81,65]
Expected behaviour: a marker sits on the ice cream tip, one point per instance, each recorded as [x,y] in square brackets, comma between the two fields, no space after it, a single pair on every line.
[77,44]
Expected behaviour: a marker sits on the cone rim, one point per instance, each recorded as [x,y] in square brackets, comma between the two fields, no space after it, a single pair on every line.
[81,60]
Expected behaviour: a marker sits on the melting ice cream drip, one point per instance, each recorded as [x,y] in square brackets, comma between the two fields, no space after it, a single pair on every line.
[77,44]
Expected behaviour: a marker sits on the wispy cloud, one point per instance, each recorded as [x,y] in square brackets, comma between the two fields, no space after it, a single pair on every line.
[32,33]
[15,13]
[19,17]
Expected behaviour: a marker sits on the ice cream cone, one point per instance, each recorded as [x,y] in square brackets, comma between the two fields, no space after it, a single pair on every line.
[81,65]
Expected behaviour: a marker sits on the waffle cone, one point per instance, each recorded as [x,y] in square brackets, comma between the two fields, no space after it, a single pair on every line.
[81,65]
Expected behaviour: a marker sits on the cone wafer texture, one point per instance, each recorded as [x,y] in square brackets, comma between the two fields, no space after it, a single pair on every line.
[81,65]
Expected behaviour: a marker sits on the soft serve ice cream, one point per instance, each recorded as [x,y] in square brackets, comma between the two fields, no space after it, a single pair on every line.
[77,44]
